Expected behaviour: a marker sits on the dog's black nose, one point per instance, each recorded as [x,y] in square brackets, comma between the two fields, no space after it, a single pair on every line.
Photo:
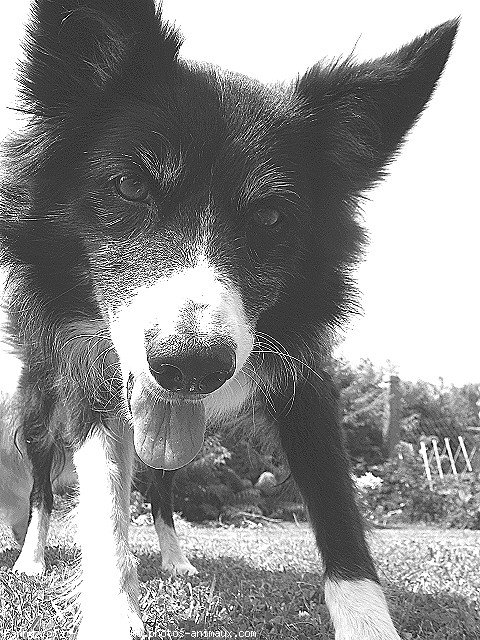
[200,371]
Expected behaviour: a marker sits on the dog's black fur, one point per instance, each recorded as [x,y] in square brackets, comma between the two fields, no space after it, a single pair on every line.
[107,96]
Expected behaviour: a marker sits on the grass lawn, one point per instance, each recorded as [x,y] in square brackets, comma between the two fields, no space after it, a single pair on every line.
[264,579]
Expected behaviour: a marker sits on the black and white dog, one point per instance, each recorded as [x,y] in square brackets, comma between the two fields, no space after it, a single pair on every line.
[176,243]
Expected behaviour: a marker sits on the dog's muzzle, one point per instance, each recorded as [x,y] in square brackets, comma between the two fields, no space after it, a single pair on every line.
[166,406]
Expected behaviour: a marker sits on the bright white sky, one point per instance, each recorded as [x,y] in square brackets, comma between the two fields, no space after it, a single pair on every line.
[420,281]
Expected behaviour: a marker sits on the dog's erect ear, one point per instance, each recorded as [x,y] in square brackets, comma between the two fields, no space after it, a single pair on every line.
[360,113]
[76,50]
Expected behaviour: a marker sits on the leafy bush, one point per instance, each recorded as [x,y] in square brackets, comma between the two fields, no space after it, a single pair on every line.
[220,484]
[202,488]
[363,408]
[398,492]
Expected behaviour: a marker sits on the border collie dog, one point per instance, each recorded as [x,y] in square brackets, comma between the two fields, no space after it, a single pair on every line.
[176,244]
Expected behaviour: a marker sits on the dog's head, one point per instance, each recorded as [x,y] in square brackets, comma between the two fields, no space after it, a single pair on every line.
[201,216]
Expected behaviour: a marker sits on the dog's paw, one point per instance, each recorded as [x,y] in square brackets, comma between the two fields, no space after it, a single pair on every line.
[136,625]
[367,634]
[179,568]
[110,629]
[29,567]
[93,632]
[359,633]
[359,610]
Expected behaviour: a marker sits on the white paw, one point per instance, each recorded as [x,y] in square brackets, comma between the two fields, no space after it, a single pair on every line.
[109,628]
[364,633]
[29,567]
[93,632]
[136,624]
[179,568]
[359,610]
[361,633]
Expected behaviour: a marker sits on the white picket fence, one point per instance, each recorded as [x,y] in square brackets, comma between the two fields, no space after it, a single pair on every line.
[441,460]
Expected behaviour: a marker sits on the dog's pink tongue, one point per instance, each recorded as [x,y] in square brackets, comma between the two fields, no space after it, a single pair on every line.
[166,436]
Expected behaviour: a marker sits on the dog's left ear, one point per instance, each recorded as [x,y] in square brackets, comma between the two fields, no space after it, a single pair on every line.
[359,113]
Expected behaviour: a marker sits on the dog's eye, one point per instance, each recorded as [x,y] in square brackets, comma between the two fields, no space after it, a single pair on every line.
[267,217]
[131,187]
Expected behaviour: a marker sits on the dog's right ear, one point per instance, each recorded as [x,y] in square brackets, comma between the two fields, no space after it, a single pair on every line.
[76,51]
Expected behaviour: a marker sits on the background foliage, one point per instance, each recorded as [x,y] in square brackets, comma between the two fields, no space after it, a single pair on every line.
[234,479]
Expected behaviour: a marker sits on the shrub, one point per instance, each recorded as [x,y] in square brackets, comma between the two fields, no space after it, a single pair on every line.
[219,484]
[363,405]
[398,492]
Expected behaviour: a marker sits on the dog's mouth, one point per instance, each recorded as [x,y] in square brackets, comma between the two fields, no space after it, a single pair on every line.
[167,433]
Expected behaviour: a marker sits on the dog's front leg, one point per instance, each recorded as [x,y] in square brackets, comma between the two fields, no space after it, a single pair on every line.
[109,591]
[174,559]
[311,438]
[37,406]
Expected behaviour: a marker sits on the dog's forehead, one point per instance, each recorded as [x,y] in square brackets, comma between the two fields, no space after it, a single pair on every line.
[233,94]
[206,110]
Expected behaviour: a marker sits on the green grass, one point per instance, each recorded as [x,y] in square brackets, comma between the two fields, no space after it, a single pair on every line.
[264,579]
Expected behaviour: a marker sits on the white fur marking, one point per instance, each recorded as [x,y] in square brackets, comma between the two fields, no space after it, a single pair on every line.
[215,307]
[11,365]
[15,473]
[359,610]
[173,558]
[110,590]
[230,398]
[32,557]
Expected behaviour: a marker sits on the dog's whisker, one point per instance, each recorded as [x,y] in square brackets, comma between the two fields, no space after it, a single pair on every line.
[265,386]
